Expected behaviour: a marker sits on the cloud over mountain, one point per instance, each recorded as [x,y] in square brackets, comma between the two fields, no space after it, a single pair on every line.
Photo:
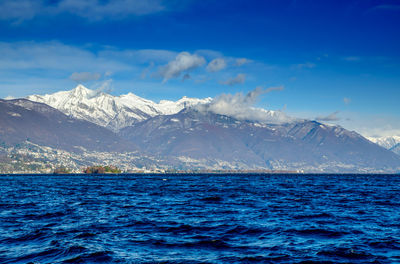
[241,106]
[331,117]
[85,76]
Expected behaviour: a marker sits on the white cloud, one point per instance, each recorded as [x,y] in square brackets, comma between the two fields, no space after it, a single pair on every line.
[61,63]
[184,61]
[241,107]
[102,87]
[105,86]
[216,65]
[241,61]
[240,78]
[43,66]
[9,97]
[95,9]
[209,54]
[329,118]
[19,10]
[368,125]
[85,76]
[89,9]
[55,56]
[260,90]
[375,125]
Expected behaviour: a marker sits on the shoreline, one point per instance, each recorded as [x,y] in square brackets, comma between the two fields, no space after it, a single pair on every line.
[204,174]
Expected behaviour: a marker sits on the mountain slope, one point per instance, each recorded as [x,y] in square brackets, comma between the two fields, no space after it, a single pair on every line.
[190,134]
[113,112]
[396,148]
[299,145]
[22,120]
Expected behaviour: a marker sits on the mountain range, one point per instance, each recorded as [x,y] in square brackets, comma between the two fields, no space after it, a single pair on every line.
[389,142]
[188,133]
[300,145]
[113,112]
[22,120]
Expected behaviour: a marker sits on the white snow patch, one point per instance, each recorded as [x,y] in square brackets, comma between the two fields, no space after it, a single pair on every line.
[114,112]
[14,114]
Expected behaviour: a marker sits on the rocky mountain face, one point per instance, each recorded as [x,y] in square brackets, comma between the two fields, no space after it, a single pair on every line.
[189,133]
[194,135]
[23,120]
[113,112]
[290,146]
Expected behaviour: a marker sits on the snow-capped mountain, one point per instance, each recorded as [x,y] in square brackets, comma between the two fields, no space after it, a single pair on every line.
[117,112]
[22,120]
[386,142]
[391,143]
[298,145]
[221,133]
[113,112]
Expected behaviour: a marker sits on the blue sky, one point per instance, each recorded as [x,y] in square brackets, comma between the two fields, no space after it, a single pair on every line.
[338,61]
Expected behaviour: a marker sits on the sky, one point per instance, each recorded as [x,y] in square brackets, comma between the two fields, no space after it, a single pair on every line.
[337,61]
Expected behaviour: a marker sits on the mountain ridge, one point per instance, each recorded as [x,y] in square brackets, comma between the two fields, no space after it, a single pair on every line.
[117,112]
[21,120]
[288,146]
[387,142]
[113,112]
[220,133]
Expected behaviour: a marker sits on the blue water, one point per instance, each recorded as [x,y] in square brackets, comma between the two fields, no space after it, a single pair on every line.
[200,219]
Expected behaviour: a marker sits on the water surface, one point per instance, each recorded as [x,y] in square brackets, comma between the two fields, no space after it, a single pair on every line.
[200,219]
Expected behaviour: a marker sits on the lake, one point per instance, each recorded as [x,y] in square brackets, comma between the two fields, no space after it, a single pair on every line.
[200,219]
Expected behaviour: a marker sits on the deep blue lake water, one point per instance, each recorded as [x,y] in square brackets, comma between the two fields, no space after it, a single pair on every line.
[200,219]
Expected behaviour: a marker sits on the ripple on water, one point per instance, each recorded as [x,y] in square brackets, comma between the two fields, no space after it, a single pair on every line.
[318,232]
[200,219]
[96,257]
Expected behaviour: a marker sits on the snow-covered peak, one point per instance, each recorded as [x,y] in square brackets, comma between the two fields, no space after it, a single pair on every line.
[114,112]
[172,107]
[81,91]
[387,142]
